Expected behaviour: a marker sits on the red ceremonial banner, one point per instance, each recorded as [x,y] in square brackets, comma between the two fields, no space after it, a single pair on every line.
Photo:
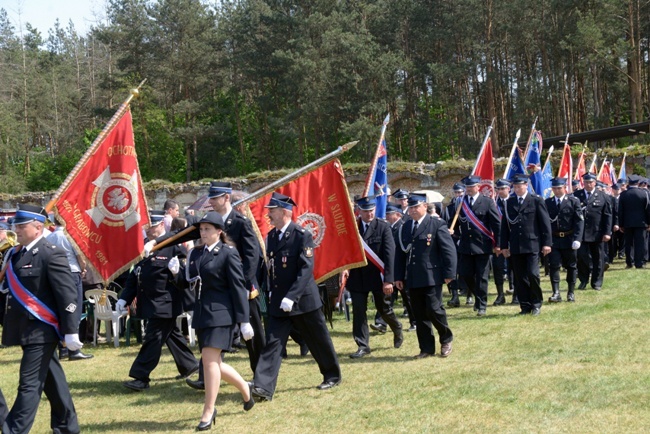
[566,166]
[104,207]
[324,209]
[485,169]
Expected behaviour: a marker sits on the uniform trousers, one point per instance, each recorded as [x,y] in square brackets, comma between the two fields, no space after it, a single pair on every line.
[3,409]
[635,239]
[360,330]
[501,267]
[566,258]
[40,371]
[313,330]
[429,313]
[616,245]
[254,345]
[160,331]
[525,267]
[475,270]
[591,260]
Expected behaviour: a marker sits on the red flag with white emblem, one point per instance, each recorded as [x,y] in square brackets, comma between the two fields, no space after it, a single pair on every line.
[324,209]
[566,166]
[104,207]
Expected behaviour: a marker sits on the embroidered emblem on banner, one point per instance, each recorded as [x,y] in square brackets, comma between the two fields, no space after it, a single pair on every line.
[115,199]
[316,225]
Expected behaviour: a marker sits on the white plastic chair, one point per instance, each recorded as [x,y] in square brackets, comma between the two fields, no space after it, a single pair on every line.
[103,311]
[190,330]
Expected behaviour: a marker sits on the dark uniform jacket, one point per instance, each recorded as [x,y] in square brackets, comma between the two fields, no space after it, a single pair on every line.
[379,238]
[291,271]
[154,285]
[395,230]
[240,231]
[598,215]
[472,240]
[567,222]
[634,208]
[45,272]
[427,257]
[525,229]
[222,299]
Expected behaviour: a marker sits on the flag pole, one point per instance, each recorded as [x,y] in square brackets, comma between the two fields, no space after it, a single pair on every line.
[366,189]
[530,138]
[593,162]
[582,158]
[602,166]
[512,152]
[271,187]
[95,144]
[548,157]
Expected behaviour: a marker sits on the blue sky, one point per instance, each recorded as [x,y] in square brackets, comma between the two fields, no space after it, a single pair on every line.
[43,13]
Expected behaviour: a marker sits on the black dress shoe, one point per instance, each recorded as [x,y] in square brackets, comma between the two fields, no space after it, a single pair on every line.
[570,297]
[398,338]
[359,353]
[63,353]
[628,266]
[445,349]
[328,384]
[555,298]
[251,401]
[535,311]
[378,328]
[137,385]
[80,356]
[515,300]
[261,394]
[583,285]
[204,426]
[195,384]
[597,288]
[412,328]
[524,312]
[188,373]
[501,299]
[304,350]
[481,312]
[469,301]
[423,355]
[454,302]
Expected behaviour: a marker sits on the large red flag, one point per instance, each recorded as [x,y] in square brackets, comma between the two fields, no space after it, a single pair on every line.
[605,176]
[485,169]
[104,206]
[566,166]
[324,208]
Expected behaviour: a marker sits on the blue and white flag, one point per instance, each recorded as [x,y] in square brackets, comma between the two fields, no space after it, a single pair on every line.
[377,180]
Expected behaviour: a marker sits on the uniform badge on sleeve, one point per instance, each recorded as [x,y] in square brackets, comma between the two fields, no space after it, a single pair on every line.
[309,252]
[71,307]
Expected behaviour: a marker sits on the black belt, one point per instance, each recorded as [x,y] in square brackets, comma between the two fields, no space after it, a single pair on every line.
[562,234]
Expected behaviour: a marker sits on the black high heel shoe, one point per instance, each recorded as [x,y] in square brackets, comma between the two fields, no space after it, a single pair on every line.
[251,401]
[204,426]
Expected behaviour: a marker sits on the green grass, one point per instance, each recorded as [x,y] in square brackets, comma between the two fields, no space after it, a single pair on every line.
[579,367]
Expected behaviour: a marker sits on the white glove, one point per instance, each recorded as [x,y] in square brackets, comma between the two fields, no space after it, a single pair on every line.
[286,304]
[120,306]
[246,331]
[149,247]
[575,245]
[174,265]
[72,342]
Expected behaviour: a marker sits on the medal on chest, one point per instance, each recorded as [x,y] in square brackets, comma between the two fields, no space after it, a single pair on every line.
[429,239]
[284,262]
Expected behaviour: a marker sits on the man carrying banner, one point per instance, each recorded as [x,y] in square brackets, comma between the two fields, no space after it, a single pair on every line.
[376,277]
[426,257]
[500,264]
[457,285]
[42,309]
[294,301]
[479,229]
[525,231]
[567,225]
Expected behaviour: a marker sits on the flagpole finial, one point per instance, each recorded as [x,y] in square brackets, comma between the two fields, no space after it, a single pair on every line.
[349,146]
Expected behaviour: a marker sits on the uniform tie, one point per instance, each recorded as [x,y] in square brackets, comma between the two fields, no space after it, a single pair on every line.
[521,200]
[471,201]
[415,227]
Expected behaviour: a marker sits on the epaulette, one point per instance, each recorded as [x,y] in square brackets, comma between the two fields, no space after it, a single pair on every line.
[229,246]
[301,229]
[241,216]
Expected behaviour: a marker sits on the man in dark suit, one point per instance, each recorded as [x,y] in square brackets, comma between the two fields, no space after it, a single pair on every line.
[597,211]
[525,231]
[479,227]
[567,225]
[500,264]
[401,198]
[159,301]
[457,285]
[240,231]
[616,244]
[426,258]
[294,301]
[634,218]
[394,218]
[39,276]
[375,278]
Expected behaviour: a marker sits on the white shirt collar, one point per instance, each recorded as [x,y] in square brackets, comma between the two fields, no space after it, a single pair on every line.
[522,196]
[211,247]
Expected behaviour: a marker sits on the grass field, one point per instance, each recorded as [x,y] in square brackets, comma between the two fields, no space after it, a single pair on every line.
[579,367]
